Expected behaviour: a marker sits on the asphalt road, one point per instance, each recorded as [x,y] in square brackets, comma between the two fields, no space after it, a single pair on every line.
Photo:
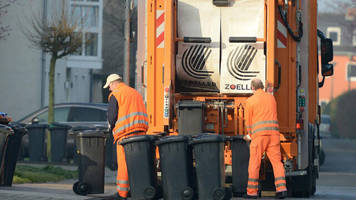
[338,174]
[337,179]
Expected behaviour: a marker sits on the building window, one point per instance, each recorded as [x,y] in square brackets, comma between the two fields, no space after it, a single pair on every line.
[334,33]
[87,14]
[354,38]
[351,72]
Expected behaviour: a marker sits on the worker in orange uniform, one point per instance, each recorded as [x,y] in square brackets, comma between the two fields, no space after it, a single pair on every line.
[127,117]
[263,132]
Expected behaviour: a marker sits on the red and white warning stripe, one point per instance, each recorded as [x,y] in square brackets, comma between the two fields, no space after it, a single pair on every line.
[160,29]
[281,33]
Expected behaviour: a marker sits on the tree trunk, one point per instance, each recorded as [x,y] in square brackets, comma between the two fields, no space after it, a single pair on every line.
[51,90]
[51,101]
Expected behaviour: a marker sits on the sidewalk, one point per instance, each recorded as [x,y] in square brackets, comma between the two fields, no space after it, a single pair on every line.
[55,191]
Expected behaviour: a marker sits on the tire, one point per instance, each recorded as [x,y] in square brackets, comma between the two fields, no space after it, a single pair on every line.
[80,188]
[75,187]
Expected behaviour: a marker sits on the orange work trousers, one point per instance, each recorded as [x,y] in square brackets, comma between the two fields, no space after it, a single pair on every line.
[271,145]
[122,179]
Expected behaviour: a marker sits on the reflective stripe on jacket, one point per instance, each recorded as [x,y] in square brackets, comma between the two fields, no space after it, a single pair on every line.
[261,114]
[132,115]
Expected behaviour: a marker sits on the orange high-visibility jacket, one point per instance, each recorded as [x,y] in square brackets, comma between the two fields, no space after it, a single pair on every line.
[261,114]
[132,115]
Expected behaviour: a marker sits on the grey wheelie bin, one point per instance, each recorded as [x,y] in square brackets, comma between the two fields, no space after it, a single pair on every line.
[91,154]
[37,135]
[12,152]
[140,156]
[208,152]
[59,134]
[240,159]
[177,167]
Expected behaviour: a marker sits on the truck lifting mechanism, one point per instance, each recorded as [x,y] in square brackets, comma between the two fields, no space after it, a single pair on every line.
[201,56]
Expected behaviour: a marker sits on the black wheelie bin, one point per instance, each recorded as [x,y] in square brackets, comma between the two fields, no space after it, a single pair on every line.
[12,152]
[208,152]
[140,160]
[59,134]
[91,155]
[177,167]
[72,140]
[37,135]
[240,159]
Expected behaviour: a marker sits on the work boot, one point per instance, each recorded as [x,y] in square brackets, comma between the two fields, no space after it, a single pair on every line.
[281,195]
[246,196]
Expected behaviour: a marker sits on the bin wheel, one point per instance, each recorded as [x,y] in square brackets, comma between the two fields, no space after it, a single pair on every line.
[187,193]
[219,194]
[81,188]
[149,192]
[75,187]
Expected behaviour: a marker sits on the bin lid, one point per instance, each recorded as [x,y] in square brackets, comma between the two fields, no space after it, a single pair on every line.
[6,130]
[82,128]
[138,138]
[18,128]
[37,125]
[236,137]
[56,125]
[91,133]
[171,139]
[206,138]
[190,104]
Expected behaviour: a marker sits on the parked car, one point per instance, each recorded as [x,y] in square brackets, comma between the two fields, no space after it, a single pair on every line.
[325,126]
[73,114]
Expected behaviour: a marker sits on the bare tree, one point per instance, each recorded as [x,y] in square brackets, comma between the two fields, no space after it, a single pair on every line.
[58,36]
[4,29]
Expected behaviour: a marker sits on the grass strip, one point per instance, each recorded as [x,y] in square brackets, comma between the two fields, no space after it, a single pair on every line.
[29,174]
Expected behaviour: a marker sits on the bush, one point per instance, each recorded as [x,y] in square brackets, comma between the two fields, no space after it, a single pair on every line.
[342,111]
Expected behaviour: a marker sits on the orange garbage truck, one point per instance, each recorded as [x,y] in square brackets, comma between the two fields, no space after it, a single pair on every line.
[201,55]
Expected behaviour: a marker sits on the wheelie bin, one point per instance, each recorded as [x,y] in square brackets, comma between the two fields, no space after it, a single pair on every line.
[177,167]
[208,152]
[71,150]
[12,152]
[5,132]
[59,134]
[91,150]
[240,159]
[37,135]
[140,160]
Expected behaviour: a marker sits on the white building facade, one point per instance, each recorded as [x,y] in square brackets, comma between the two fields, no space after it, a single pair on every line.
[24,69]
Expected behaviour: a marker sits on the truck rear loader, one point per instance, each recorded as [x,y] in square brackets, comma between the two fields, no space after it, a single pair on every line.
[201,55]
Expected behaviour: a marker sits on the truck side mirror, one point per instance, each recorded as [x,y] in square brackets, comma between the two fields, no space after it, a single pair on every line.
[327,55]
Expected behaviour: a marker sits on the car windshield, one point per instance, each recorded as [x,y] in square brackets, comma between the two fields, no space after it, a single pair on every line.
[60,115]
